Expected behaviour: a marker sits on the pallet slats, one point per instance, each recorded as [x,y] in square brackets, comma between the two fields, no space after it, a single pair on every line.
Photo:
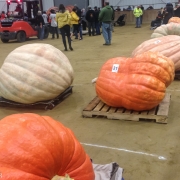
[97,108]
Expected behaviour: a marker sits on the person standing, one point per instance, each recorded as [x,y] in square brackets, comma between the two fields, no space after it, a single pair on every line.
[40,23]
[45,17]
[63,18]
[141,17]
[90,17]
[169,12]
[105,16]
[137,13]
[97,25]
[54,28]
[75,22]
[177,11]
[79,14]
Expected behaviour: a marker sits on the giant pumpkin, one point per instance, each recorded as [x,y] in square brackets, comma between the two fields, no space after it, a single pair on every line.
[167,29]
[35,72]
[34,147]
[169,46]
[137,83]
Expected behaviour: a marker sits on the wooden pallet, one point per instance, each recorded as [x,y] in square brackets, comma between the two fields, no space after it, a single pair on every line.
[46,105]
[177,75]
[159,114]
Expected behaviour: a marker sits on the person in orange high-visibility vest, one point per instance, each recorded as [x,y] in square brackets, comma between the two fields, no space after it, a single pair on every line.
[137,13]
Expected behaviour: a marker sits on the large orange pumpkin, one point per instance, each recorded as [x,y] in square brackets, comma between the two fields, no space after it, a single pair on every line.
[34,147]
[169,46]
[137,83]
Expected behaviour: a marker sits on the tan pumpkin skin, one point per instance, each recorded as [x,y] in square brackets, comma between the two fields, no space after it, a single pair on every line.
[174,20]
[169,46]
[35,72]
[165,30]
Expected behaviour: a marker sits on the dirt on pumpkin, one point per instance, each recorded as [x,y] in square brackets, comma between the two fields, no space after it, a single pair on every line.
[146,150]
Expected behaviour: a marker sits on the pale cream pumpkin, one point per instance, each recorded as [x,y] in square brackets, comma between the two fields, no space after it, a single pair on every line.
[35,72]
[169,46]
[167,29]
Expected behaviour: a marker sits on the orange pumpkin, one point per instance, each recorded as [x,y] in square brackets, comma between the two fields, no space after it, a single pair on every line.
[38,147]
[174,20]
[137,83]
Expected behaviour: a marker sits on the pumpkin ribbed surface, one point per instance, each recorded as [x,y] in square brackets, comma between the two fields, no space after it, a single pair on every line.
[139,83]
[35,72]
[169,46]
[165,30]
[174,20]
[34,147]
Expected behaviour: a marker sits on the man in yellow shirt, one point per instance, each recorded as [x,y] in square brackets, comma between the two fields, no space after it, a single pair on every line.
[137,13]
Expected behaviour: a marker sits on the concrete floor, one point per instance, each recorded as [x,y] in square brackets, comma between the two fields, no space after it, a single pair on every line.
[146,150]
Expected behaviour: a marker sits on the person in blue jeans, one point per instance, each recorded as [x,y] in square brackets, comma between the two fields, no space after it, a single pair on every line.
[40,23]
[105,16]
[138,13]
[97,25]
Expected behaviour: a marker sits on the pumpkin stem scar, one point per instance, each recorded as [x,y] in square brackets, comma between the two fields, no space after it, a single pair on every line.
[66,177]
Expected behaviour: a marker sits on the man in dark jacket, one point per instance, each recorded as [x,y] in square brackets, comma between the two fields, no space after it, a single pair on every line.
[80,22]
[177,11]
[169,12]
[97,25]
[40,23]
[90,17]
[105,17]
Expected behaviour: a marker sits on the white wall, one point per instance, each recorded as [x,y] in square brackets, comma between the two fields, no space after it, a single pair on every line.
[3,5]
[47,4]
[157,4]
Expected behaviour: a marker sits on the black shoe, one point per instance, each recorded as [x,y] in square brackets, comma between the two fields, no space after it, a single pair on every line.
[71,48]
[106,44]
[65,50]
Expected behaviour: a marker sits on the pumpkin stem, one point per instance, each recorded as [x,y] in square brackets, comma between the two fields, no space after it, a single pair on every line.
[66,177]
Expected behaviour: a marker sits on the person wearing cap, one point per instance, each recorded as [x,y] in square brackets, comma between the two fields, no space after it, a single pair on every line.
[90,17]
[97,26]
[177,11]
[138,13]
[105,16]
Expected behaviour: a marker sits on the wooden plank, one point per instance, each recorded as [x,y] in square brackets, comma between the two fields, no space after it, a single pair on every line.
[112,110]
[92,104]
[105,108]
[164,105]
[99,106]
[144,112]
[136,112]
[152,111]
[102,109]
[127,111]
[120,110]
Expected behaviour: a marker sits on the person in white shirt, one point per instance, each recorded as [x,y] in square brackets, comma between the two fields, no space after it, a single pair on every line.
[52,18]
[45,17]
